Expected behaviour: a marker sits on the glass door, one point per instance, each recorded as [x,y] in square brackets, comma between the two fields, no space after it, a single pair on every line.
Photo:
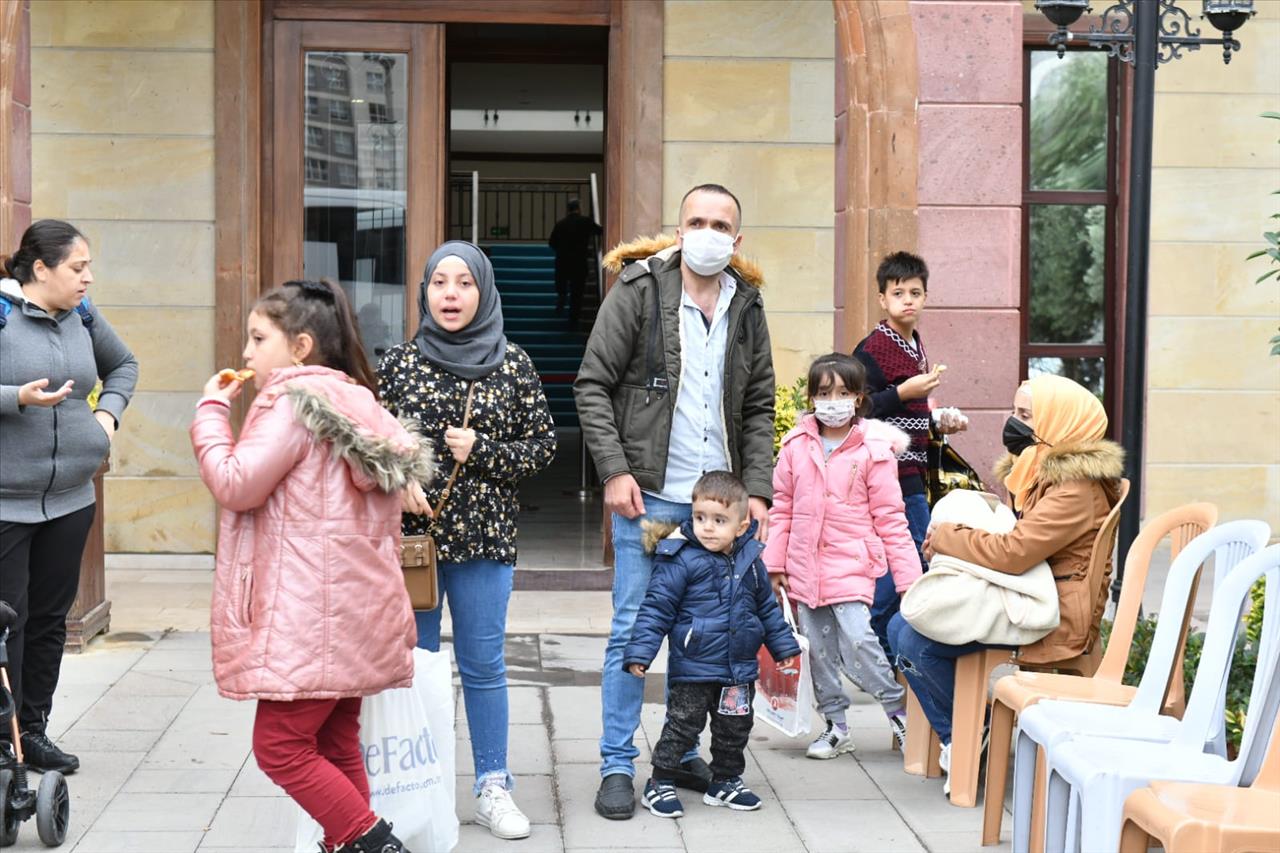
[358,164]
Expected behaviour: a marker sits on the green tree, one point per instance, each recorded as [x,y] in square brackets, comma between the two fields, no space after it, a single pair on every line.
[1272,251]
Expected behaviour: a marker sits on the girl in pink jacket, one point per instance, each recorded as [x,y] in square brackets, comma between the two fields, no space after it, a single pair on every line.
[310,611]
[838,523]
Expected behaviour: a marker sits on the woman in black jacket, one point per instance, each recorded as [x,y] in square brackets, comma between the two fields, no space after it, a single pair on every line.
[509,436]
[54,346]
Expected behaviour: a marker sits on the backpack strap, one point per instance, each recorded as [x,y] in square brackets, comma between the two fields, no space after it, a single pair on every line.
[6,305]
[86,315]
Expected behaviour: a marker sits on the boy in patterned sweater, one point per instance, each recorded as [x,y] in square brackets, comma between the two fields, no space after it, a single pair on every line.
[900,380]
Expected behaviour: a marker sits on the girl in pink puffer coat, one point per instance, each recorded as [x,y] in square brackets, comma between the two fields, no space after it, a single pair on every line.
[310,611]
[837,523]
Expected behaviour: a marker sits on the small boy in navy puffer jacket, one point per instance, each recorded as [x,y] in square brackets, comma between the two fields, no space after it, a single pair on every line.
[710,594]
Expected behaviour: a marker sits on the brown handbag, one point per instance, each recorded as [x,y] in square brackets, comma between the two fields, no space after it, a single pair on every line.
[418,553]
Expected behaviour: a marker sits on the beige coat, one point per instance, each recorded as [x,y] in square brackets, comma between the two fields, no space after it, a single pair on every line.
[1062,513]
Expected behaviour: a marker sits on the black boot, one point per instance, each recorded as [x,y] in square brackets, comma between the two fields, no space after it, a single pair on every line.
[41,755]
[377,840]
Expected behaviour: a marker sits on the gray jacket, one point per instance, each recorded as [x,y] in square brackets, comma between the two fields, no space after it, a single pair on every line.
[48,455]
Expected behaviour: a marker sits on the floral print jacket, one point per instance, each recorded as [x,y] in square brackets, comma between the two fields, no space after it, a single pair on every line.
[515,439]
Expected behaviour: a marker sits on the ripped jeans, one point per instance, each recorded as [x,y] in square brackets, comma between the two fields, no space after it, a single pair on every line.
[930,668]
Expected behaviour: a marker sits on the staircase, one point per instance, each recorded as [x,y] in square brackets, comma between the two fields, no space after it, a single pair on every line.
[525,274]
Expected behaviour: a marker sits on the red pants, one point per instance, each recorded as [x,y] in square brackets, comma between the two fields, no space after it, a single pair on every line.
[311,748]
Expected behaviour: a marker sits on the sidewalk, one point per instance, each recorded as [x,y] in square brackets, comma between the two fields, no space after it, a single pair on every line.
[167,767]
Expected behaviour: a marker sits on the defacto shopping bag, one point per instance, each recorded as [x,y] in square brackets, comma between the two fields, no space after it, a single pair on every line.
[784,697]
[408,743]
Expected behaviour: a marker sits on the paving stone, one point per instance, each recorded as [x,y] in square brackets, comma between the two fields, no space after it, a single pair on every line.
[167,660]
[173,683]
[837,826]
[543,838]
[584,828]
[104,841]
[159,812]
[143,781]
[961,842]
[253,823]
[703,827]
[796,777]
[528,751]
[252,782]
[79,741]
[101,775]
[116,712]
[575,712]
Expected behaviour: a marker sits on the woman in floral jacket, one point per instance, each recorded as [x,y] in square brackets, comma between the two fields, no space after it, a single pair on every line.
[510,436]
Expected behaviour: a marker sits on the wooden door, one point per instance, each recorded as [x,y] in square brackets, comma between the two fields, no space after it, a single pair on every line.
[358,164]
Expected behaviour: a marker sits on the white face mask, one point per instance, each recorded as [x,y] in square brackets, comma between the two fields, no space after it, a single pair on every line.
[707,251]
[834,413]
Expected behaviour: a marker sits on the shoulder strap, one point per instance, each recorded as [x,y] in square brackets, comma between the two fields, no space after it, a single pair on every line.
[86,316]
[457,466]
[5,307]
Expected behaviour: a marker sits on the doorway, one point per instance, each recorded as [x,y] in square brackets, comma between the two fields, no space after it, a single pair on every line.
[387,138]
[526,142]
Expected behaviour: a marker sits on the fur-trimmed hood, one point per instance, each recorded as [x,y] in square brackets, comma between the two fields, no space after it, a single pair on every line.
[1085,460]
[663,246]
[383,463]
[653,532]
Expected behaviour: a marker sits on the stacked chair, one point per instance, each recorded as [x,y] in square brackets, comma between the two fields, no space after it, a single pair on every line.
[1015,693]
[1095,760]
[973,678]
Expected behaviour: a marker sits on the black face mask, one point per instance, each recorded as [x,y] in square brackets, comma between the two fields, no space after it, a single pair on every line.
[1017,436]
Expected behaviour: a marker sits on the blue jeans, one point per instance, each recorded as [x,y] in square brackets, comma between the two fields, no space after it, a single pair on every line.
[885,605]
[621,693]
[930,668]
[477,592]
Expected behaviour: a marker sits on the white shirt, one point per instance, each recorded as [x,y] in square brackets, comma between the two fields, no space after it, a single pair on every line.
[699,442]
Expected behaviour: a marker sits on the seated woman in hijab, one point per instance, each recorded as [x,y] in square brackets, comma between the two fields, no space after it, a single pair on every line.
[1063,478]
[461,353]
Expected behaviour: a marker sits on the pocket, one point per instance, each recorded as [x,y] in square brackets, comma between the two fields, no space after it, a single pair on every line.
[693,636]
[245,588]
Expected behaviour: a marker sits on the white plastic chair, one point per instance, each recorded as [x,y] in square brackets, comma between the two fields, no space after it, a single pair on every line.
[1052,721]
[1090,777]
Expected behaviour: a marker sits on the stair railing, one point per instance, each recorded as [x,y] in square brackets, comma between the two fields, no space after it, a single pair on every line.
[475,208]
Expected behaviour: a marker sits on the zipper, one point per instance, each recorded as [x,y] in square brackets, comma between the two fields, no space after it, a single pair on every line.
[53,474]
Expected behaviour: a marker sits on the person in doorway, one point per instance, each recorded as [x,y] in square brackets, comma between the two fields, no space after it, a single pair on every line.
[571,240]
[310,493]
[478,399]
[900,381]
[54,347]
[1063,477]
[677,380]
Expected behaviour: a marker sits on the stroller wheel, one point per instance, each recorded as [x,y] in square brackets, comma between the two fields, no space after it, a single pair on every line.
[53,809]
[8,821]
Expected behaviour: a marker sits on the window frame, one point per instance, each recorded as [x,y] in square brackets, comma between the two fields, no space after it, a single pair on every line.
[1109,198]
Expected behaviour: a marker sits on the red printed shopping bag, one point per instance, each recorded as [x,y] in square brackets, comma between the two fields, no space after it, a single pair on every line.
[784,697]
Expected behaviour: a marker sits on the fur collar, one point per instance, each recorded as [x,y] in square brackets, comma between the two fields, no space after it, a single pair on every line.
[664,246]
[389,465]
[1086,460]
[653,532]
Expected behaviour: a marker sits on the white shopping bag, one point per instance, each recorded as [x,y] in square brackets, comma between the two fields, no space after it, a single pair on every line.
[408,743]
[784,697]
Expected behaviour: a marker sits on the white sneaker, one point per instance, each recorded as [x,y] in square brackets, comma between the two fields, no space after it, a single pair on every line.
[830,743]
[944,761]
[496,810]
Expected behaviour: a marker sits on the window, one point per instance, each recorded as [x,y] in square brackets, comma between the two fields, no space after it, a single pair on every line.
[316,137]
[317,170]
[1069,253]
[380,114]
[340,111]
[347,174]
[375,81]
[383,180]
[335,78]
[313,106]
[344,143]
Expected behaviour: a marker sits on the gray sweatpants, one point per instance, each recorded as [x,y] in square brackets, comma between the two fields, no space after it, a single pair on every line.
[841,639]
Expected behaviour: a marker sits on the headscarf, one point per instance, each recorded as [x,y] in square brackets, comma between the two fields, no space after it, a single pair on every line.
[477,349]
[1064,412]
